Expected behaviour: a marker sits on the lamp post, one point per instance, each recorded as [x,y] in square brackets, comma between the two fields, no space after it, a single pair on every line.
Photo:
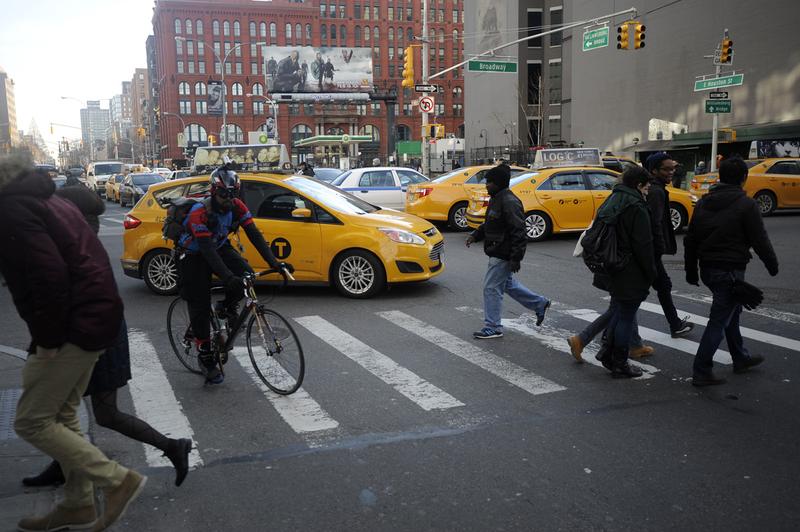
[274,107]
[222,62]
[183,127]
[485,139]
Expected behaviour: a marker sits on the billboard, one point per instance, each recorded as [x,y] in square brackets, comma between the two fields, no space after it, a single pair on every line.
[215,97]
[292,69]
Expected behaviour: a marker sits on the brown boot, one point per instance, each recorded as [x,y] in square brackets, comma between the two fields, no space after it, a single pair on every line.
[641,351]
[119,498]
[61,518]
[576,347]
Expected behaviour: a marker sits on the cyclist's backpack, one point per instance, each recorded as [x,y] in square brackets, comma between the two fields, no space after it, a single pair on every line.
[177,211]
[602,250]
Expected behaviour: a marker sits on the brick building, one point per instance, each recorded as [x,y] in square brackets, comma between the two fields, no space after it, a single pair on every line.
[185,66]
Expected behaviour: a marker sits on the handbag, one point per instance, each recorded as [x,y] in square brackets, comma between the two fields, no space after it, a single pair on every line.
[746,294]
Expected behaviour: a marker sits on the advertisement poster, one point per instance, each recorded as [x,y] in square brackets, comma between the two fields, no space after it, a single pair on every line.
[215,97]
[292,69]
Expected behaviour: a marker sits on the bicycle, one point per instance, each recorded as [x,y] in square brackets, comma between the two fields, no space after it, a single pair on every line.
[272,344]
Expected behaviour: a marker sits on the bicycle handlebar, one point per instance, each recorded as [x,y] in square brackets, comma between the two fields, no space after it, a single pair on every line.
[286,274]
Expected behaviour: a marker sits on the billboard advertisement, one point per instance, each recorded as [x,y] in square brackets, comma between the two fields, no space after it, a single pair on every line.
[215,97]
[306,69]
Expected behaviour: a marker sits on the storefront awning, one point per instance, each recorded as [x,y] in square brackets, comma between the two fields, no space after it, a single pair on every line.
[332,140]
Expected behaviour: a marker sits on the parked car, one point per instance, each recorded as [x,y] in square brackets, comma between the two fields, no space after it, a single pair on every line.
[112,187]
[134,186]
[327,174]
[383,186]
[98,173]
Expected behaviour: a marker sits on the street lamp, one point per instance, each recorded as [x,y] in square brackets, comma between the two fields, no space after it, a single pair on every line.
[485,139]
[222,73]
[274,107]
[183,126]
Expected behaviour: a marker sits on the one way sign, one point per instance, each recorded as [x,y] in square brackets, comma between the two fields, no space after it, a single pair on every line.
[426,88]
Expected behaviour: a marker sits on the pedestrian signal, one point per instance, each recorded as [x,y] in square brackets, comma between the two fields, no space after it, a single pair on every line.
[638,35]
[408,68]
[623,36]
[726,51]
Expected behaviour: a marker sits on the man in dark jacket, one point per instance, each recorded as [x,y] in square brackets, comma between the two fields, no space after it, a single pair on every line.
[503,233]
[725,225]
[89,203]
[63,287]
[662,168]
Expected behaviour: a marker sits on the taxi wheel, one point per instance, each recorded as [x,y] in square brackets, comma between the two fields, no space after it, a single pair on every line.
[677,214]
[159,272]
[358,274]
[457,217]
[537,226]
[766,202]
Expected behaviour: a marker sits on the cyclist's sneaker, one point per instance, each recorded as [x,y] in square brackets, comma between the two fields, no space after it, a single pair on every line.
[228,313]
[214,376]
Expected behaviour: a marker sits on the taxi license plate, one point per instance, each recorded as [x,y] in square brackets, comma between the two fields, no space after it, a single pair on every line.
[705,185]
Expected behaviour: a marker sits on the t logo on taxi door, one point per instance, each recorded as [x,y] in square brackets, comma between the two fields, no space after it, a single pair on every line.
[281,248]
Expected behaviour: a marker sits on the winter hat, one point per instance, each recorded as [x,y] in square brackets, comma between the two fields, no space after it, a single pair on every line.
[655,160]
[500,175]
[14,166]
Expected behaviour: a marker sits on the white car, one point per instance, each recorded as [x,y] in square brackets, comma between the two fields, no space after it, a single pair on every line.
[163,172]
[384,186]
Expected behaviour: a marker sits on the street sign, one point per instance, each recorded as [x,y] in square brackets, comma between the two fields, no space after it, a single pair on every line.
[426,88]
[718,95]
[718,106]
[492,66]
[426,104]
[718,83]
[596,38]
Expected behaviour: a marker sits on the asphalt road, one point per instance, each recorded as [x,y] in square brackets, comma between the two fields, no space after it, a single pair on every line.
[413,425]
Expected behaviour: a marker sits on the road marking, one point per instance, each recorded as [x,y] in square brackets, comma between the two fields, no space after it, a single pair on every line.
[753,334]
[556,339]
[118,220]
[681,344]
[154,400]
[424,394]
[500,367]
[299,409]
[780,315]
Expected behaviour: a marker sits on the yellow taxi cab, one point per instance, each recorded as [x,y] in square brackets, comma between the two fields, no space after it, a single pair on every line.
[327,234]
[112,187]
[560,199]
[774,183]
[445,198]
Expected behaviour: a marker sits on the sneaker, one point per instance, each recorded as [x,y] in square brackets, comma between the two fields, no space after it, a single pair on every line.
[119,498]
[178,453]
[707,380]
[625,371]
[214,375]
[744,367]
[641,351]
[540,317]
[683,328]
[52,476]
[576,347]
[487,333]
[61,518]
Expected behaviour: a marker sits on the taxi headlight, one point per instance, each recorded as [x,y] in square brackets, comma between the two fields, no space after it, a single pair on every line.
[402,237]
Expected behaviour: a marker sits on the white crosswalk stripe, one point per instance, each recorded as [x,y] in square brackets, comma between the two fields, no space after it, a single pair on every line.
[500,367]
[424,394]
[766,312]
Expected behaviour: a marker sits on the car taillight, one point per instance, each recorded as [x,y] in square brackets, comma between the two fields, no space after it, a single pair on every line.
[131,222]
[424,191]
[484,201]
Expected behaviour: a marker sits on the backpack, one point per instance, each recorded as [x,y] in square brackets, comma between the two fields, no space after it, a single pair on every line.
[602,250]
[177,210]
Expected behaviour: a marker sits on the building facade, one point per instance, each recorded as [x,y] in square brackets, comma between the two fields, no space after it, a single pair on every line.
[95,125]
[188,64]
[9,134]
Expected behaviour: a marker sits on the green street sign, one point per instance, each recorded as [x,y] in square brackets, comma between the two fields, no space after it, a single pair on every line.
[492,66]
[718,106]
[718,83]
[593,39]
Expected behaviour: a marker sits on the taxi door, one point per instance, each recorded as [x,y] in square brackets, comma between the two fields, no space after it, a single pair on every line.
[567,200]
[294,240]
[601,184]
[784,179]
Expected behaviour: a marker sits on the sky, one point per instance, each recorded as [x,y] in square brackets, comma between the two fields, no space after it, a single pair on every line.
[83,49]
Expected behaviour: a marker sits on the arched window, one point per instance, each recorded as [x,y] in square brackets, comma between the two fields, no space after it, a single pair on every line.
[455,38]
[215,27]
[391,36]
[343,35]
[252,29]
[188,24]
[273,30]
[371,131]
[234,134]
[458,92]
[410,35]
[226,28]
[376,34]
[323,34]
[441,36]
[403,132]
[237,28]
[333,33]
[288,32]
[195,133]
[336,130]
[258,89]
[300,132]
[298,33]
[183,88]
[236,89]
[366,35]
[309,34]
[198,25]
[400,37]
[199,88]
[177,25]
[263,29]
[358,35]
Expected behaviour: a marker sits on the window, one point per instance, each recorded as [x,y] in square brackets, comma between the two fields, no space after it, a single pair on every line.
[407,109]
[357,12]
[323,34]
[273,30]
[198,25]
[458,109]
[267,200]
[357,33]
[308,34]
[333,34]
[376,34]
[554,127]
[201,67]
[410,35]
[237,49]
[179,46]
[458,93]
[190,66]
[239,68]
[455,16]
[237,29]
[190,47]
[342,11]
[236,89]
[556,19]
[323,10]
[298,33]
[342,35]
[235,134]
[371,131]
[403,132]
[258,89]
[238,107]
[258,107]
[226,28]
[188,26]
[554,83]
[254,68]
[534,27]
[262,29]
[201,107]
[477,178]
[252,26]
[408,177]
[600,181]
[184,107]
[183,88]
[377,178]
[366,34]
[177,26]
[534,82]
[533,131]
[300,132]
[201,48]
[565,181]
[215,27]
[195,132]
[784,168]
[308,109]
[332,10]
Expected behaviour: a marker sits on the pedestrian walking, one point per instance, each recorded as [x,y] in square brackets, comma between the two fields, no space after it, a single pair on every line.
[725,225]
[503,234]
[679,176]
[578,342]
[661,167]
[63,287]
[626,209]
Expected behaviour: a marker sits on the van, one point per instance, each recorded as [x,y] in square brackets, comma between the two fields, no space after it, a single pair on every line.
[98,173]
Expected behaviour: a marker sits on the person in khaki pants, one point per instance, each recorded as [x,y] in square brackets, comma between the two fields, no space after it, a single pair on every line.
[63,287]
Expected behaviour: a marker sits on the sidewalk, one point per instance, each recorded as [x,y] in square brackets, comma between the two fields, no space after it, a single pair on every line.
[17,458]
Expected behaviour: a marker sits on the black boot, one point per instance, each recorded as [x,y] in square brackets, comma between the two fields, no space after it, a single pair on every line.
[620,369]
[604,353]
[52,476]
[178,454]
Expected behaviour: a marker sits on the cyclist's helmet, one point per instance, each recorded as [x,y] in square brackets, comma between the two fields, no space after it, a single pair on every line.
[223,178]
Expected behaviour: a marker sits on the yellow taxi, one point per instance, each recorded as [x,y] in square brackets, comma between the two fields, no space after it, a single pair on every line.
[445,198]
[327,234]
[112,187]
[774,183]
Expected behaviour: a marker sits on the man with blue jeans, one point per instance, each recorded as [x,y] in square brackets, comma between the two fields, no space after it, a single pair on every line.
[725,225]
[503,233]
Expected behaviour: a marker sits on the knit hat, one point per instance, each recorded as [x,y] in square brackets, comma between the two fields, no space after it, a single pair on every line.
[655,160]
[500,175]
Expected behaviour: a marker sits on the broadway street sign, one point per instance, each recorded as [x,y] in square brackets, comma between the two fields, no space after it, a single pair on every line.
[492,66]
[596,38]
[718,83]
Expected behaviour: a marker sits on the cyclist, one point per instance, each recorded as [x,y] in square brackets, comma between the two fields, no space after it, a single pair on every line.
[207,251]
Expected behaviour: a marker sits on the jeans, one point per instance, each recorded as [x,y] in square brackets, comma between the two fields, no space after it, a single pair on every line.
[663,287]
[500,280]
[722,321]
[620,326]
[600,323]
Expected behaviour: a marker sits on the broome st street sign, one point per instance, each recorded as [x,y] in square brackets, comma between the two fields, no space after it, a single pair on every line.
[491,66]
[718,83]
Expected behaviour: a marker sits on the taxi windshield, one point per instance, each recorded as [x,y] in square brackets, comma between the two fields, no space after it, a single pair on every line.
[330,196]
[522,177]
[444,177]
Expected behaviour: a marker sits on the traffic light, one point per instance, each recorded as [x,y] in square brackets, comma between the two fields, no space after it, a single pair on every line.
[211,140]
[623,36]
[408,67]
[638,35]
[726,51]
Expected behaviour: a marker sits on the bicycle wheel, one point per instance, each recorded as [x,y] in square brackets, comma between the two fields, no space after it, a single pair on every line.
[275,351]
[180,335]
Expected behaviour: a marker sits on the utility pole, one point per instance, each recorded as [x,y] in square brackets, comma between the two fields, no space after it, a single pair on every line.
[425,59]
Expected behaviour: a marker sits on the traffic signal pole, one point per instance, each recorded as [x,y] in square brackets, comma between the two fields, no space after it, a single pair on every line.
[714,131]
[425,59]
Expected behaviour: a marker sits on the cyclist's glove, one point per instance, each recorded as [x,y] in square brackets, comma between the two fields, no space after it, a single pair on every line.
[234,282]
[286,266]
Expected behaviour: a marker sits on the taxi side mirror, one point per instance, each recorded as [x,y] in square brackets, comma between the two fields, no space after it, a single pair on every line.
[301,213]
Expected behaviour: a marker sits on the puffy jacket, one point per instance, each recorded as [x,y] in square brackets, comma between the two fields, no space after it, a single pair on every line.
[57,271]
[627,209]
[89,203]
[726,223]
[503,230]
[660,220]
